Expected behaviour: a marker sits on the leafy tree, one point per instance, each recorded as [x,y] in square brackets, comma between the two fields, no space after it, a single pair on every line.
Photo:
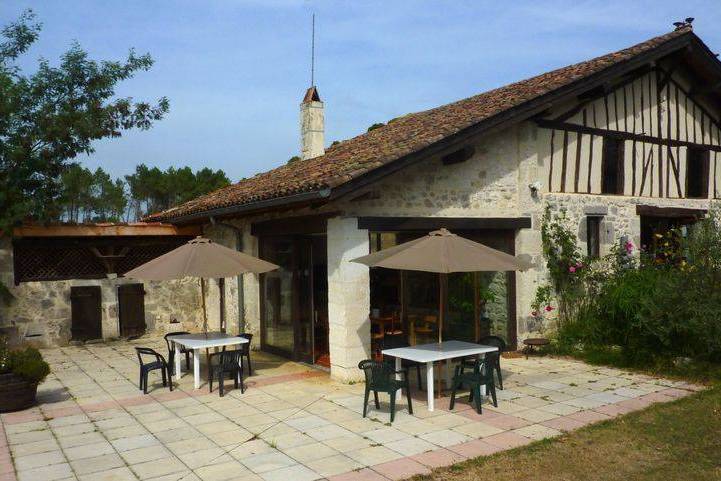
[153,190]
[77,183]
[50,116]
[108,198]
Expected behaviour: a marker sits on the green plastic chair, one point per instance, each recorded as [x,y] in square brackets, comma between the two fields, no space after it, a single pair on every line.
[380,377]
[481,375]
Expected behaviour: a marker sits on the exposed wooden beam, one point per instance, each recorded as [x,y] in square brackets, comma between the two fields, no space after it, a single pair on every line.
[565,126]
[394,224]
[697,90]
[105,230]
[655,211]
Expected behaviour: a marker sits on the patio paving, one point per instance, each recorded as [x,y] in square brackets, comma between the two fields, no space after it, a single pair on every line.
[292,423]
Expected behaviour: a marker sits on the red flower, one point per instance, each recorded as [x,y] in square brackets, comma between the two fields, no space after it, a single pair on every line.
[534,313]
[572,269]
[549,308]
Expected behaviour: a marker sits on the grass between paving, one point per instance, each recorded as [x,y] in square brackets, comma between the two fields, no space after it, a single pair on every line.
[668,441]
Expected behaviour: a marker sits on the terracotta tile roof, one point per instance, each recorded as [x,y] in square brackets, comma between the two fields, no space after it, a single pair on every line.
[405,135]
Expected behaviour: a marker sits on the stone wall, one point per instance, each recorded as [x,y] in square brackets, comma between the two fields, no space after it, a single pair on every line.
[486,185]
[42,310]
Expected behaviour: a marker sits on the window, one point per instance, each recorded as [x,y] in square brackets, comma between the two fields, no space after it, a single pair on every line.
[697,173]
[612,166]
[593,236]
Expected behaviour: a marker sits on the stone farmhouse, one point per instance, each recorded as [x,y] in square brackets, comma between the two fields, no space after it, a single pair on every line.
[627,144]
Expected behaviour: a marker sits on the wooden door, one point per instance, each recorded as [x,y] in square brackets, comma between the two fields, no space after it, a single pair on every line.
[131,309]
[86,313]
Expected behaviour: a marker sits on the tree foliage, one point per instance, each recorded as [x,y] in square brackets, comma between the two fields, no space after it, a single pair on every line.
[94,197]
[153,190]
[50,116]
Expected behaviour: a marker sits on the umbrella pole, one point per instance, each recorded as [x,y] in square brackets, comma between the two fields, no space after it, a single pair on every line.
[476,307]
[202,301]
[441,310]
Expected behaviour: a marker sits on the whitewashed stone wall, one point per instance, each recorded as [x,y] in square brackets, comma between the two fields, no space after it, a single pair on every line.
[42,310]
[348,298]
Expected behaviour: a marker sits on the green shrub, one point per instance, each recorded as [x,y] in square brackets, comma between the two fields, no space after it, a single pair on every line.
[657,311]
[27,363]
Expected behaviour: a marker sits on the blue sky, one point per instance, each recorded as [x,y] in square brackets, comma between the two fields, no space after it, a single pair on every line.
[235,71]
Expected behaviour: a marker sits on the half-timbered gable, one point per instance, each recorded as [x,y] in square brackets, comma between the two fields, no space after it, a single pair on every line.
[649,134]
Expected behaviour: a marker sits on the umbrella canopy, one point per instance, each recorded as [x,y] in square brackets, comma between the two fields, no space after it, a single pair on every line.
[443,252]
[200,257]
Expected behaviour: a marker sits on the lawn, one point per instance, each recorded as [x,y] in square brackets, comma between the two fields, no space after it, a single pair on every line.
[677,440]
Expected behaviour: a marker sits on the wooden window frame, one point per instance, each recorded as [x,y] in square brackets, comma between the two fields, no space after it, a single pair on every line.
[702,156]
[612,146]
[593,247]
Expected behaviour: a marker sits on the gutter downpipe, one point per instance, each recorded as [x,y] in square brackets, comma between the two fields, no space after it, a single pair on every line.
[241,290]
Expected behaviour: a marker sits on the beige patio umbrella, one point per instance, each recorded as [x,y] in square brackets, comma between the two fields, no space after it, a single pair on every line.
[201,258]
[443,252]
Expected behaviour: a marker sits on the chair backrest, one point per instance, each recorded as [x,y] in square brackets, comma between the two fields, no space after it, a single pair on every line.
[246,347]
[146,351]
[378,374]
[230,359]
[483,367]
[493,341]
[170,334]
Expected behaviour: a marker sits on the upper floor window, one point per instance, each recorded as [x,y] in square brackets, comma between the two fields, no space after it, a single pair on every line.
[612,168]
[697,161]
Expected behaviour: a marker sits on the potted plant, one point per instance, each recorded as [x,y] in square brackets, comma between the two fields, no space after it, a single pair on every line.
[21,371]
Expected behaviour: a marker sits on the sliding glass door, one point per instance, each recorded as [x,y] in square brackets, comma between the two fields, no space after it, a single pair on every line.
[293,298]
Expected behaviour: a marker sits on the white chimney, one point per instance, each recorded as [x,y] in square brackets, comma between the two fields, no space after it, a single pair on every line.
[312,125]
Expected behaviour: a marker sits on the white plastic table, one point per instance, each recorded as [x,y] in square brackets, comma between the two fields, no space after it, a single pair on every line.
[433,352]
[197,342]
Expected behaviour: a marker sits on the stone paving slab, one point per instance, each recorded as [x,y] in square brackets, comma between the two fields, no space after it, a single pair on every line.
[292,423]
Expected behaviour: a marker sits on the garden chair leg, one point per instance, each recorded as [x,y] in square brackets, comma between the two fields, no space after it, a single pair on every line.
[187,360]
[140,380]
[250,369]
[393,405]
[375,396]
[479,399]
[365,402]
[492,389]
[453,396]
[221,383]
[162,374]
[408,396]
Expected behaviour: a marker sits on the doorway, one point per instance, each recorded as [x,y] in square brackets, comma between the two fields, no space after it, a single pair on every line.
[131,310]
[86,312]
[294,298]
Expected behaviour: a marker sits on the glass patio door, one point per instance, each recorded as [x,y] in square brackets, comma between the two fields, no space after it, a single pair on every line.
[287,297]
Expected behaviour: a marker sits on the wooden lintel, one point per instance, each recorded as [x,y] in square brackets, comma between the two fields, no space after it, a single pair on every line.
[565,126]
[675,212]
[397,224]
[105,230]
